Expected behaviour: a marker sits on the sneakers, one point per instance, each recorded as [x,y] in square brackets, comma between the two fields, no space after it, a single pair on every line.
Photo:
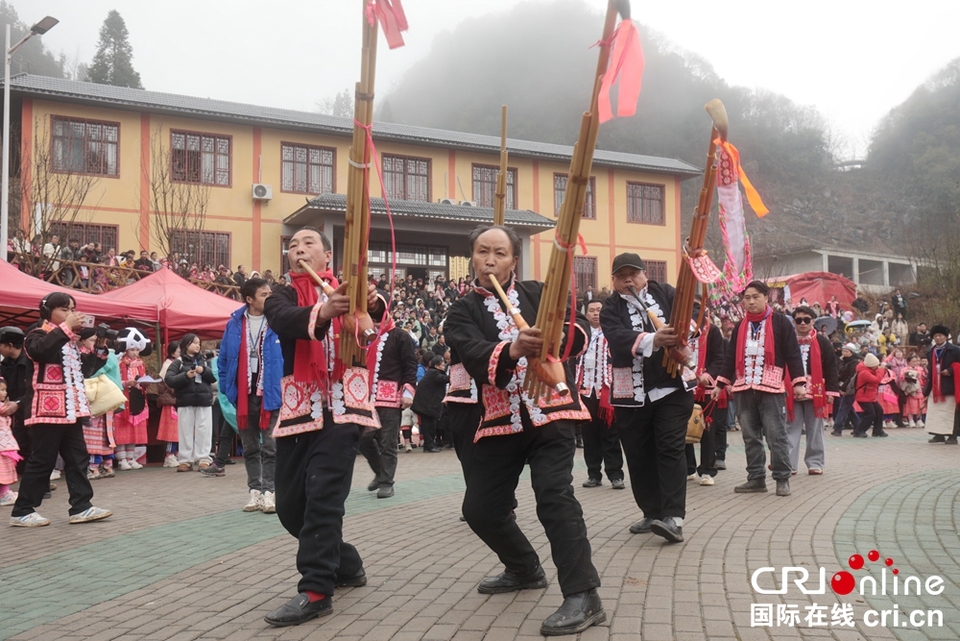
[93,472]
[720,464]
[253,505]
[755,485]
[592,483]
[183,467]
[385,492]
[203,465]
[125,465]
[170,460]
[132,462]
[692,477]
[912,423]
[268,504]
[106,472]
[212,470]
[617,484]
[90,514]
[920,424]
[55,475]
[706,480]
[29,520]
[408,448]
[8,499]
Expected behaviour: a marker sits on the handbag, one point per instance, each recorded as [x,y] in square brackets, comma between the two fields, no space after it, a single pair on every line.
[166,396]
[103,395]
[695,425]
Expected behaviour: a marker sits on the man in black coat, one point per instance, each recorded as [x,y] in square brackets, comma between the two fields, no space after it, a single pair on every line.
[394,379]
[652,407]
[428,403]
[846,370]
[17,371]
[516,430]
[940,387]
[763,348]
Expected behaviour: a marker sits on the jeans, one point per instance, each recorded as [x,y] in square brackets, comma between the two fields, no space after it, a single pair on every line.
[805,418]
[259,448]
[846,415]
[379,447]
[762,415]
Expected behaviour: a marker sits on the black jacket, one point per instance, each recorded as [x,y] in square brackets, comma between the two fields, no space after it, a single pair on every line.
[430,392]
[189,392]
[847,368]
[949,356]
[18,373]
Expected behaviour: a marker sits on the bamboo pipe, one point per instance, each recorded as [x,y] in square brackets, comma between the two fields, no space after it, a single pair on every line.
[500,201]
[349,322]
[551,373]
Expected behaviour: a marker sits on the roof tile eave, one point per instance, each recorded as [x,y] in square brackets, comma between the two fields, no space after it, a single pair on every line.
[155,101]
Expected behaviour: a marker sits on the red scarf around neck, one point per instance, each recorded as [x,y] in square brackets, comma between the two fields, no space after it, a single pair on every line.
[769,353]
[310,361]
[243,381]
[816,390]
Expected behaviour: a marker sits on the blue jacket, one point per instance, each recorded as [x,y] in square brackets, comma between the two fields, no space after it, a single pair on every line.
[271,369]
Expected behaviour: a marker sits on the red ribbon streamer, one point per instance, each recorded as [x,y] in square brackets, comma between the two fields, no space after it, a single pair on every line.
[392,20]
[626,64]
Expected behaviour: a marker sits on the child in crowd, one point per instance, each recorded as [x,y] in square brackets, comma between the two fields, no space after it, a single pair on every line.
[130,424]
[191,379]
[98,430]
[167,400]
[9,454]
[912,380]
[407,420]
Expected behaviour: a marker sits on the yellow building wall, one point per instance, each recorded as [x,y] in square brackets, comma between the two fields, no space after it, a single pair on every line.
[256,227]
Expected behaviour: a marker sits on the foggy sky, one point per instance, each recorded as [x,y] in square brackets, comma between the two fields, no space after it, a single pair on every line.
[851,59]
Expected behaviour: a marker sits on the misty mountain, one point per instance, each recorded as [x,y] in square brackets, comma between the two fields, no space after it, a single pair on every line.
[538,59]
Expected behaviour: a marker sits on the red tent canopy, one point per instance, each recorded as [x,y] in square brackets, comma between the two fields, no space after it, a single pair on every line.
[816,287]
[22,293]
[183,306]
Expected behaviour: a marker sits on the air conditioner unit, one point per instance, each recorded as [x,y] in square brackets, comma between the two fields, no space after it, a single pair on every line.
[447,201]
[262,192]
[468,203]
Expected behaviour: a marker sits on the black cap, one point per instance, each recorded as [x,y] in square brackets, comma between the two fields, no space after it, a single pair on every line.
[16,331]
[627,260]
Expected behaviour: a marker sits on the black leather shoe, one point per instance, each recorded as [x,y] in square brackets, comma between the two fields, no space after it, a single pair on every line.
[937,438]
[385,492]
[358,580]
[578,612]
[668,529]
[754,485]
[592,483]
[508,581]
[883,434]
[642,526]
[836,433]
[299,609]
[951,440]
[373,485]
[859,435]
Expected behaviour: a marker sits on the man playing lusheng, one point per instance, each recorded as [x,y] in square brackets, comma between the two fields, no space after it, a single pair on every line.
[514,431]
[321,419]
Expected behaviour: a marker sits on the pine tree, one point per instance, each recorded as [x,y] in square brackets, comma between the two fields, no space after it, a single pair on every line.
[113,62]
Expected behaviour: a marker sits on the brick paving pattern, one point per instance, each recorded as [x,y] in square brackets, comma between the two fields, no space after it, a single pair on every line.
[180,561]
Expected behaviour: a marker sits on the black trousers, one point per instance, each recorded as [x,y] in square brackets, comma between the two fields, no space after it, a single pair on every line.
[601,444]
[21,434]
[720,425]
[708,443]
[379,447]
[654,440]
[428,431]
[494,473]
[464,421]
[314,472]
[872,414]
[48,440]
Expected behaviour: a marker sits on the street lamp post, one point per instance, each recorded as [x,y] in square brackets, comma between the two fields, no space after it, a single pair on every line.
[38,29]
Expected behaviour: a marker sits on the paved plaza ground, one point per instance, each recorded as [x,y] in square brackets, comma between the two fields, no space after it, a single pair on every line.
[179,560]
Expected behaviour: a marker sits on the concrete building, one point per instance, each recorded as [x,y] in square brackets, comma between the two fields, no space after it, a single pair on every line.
[268,171]
[871,272]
